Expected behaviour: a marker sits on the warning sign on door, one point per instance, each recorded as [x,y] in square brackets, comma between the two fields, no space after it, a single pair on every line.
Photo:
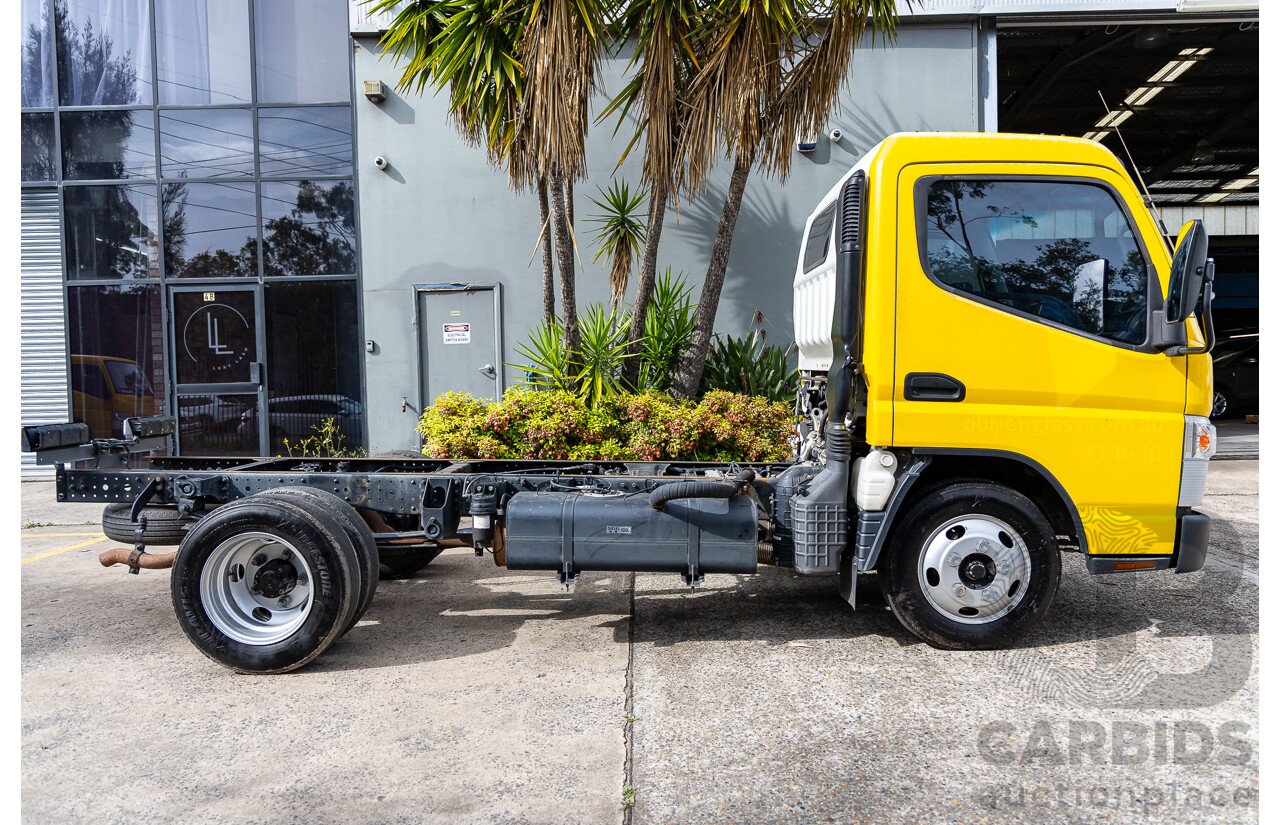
[457,333]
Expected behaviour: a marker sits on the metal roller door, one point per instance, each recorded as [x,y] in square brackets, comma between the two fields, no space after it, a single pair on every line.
[44,348]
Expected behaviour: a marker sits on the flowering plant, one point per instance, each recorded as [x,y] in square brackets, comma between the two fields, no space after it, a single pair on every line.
[648,426]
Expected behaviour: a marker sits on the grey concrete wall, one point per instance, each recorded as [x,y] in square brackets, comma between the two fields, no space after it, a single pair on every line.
[442,214]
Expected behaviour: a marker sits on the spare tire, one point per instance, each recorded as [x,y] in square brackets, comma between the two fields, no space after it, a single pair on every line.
[164,526]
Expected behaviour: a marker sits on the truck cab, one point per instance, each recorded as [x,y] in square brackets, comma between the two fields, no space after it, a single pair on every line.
[997,310]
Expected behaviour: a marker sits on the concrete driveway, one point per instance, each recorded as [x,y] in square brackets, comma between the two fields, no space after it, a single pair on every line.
[473,694]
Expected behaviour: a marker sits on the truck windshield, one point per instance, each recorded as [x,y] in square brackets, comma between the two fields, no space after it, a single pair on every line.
[127,379]
[1060,251]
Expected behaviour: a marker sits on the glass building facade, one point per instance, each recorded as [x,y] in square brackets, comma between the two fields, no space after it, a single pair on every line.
[200,152]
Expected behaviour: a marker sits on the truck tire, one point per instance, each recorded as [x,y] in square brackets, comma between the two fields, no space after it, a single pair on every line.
[973,565]
[325,505]
[165,525]
[236,568]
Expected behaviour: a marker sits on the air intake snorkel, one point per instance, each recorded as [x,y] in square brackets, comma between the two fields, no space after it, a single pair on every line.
[821,515]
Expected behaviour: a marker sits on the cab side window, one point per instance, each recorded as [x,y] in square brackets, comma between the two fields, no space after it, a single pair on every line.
[815,246]
[1061,251]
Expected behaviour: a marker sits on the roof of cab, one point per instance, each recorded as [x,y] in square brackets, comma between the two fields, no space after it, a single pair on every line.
[992,147]
[905,148]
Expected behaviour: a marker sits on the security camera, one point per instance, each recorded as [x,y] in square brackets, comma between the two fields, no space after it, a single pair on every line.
[836,134]
[381,162]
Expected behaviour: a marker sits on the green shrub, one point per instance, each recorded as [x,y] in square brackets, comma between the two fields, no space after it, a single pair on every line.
[649,426]
[328,441]
[595,373]
[747,365]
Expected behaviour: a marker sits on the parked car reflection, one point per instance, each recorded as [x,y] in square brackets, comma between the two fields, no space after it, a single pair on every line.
[297,416]
[105,391]
[1235,377]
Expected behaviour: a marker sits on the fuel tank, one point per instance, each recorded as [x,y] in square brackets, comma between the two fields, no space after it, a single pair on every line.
[572,532]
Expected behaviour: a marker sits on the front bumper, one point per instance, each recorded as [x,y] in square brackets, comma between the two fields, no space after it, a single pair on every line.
[1190,547]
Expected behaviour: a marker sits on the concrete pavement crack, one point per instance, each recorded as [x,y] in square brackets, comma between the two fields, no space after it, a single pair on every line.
[628,719]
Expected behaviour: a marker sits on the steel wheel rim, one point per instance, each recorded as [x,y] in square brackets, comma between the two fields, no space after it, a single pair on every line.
[1219,404]
[227,583]
[949,561]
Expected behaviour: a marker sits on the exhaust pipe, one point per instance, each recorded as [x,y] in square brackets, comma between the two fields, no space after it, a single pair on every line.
[137,558]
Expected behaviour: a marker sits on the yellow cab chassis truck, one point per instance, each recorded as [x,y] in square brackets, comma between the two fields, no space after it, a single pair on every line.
[1000,362]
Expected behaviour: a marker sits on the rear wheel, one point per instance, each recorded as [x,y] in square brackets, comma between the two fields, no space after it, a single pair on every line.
[325,505]
[973,565]
[262,586]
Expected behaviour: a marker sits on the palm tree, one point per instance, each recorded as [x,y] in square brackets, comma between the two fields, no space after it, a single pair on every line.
[471,47]
[619,233]
[560,52]
[773,70]
[666,58]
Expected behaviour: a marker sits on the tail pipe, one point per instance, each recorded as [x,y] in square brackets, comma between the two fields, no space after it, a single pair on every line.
[137,558]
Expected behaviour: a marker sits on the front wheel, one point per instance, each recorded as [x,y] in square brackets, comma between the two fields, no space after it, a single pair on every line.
[973,565]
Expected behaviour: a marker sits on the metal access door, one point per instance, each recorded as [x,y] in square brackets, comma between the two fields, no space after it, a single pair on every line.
[459,341]
[217,345]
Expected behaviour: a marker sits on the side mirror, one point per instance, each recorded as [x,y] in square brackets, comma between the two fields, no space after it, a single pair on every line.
[1186,274]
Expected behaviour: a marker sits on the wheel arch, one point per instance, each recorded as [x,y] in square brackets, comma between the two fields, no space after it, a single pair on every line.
[1022,473]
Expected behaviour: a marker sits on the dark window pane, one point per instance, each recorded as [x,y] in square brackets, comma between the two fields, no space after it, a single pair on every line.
[112,231]
[217,424]
[202,51]
[108,144]
[88,378]
[308,228]
[216,338]
[117,363]
[104,52]
[304,52]
[211,230]
[37,54]
[305,141]
[313,360]
[815,246]
[1063,252]
[208,143]
[37,147]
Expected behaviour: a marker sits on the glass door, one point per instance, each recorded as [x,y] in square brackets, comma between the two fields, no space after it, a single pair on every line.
[218,352]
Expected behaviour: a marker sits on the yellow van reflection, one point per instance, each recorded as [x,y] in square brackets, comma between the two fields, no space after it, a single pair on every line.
[105,391]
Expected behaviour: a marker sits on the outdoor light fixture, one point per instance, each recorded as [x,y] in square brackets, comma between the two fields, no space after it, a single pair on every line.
[373,89]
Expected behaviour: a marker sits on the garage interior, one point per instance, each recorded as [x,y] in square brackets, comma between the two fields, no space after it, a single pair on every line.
[1181,103]
[1178,100]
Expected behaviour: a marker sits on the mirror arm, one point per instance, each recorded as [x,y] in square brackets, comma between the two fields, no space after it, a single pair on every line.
[1210,337]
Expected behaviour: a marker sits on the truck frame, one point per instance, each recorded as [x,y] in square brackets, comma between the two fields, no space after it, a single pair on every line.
[925,466]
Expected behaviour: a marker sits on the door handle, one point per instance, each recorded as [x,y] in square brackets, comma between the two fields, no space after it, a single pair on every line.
[932,386]
[488,370]
[255,372]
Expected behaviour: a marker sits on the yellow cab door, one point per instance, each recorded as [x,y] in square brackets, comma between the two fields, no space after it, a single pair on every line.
[1024,310]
